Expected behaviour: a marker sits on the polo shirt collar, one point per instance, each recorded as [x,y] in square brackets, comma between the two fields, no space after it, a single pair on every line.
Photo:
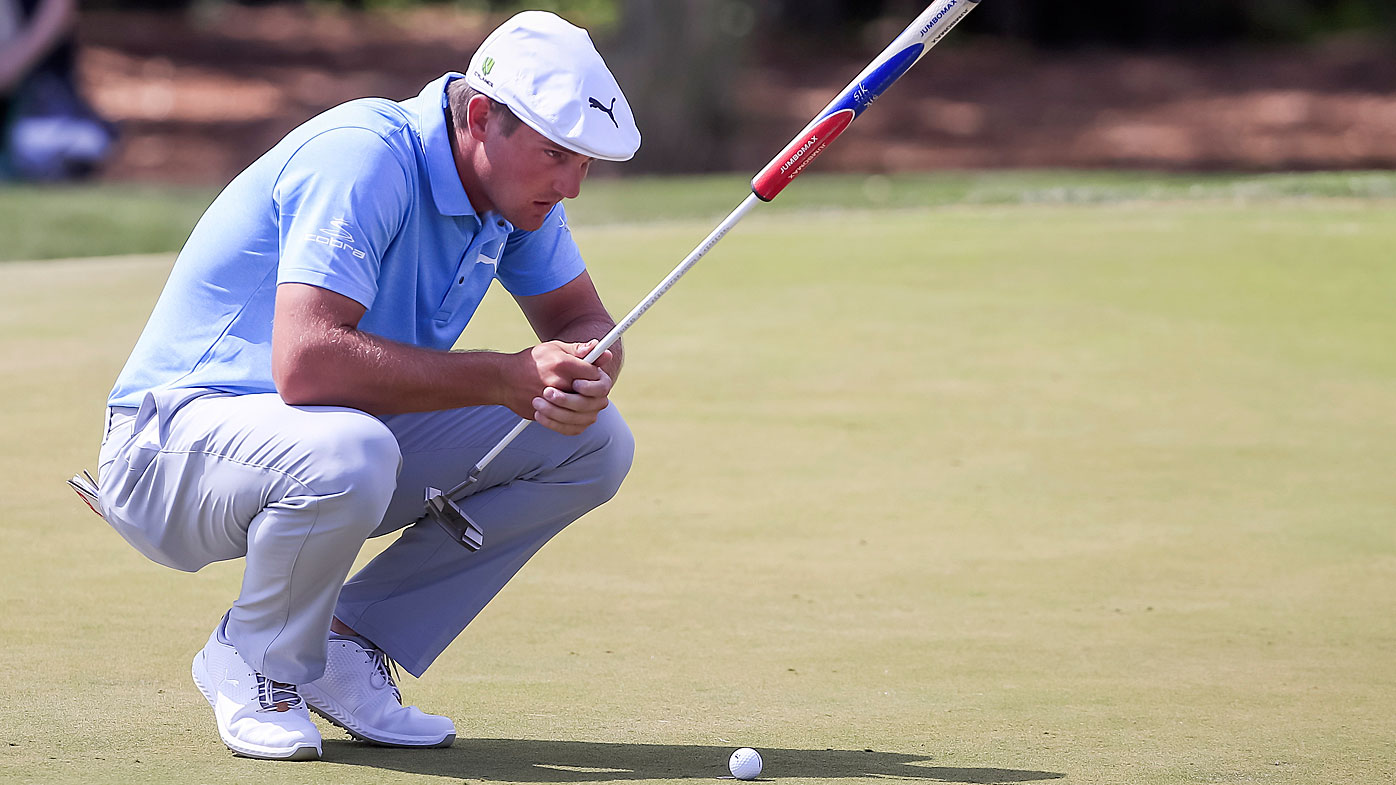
[446,189]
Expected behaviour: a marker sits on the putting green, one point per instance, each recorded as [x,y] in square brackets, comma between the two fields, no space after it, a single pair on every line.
[982,494]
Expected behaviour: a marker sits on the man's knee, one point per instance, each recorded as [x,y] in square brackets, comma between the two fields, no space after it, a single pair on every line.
[352,454]
[612,453]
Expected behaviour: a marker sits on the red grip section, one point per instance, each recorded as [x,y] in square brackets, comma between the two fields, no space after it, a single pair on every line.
[801,153]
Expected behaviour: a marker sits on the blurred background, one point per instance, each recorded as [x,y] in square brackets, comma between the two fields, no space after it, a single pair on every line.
[194,90]
[1044,429]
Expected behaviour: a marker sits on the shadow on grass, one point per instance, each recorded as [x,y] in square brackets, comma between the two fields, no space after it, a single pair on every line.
[527,760]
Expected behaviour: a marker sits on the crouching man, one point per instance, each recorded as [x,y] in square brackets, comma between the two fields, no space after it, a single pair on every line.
[295,390]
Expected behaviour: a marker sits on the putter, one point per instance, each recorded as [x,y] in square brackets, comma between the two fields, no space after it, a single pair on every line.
[86,488]
[898,58]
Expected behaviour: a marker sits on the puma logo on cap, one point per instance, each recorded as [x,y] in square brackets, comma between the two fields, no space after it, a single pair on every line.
[610,111]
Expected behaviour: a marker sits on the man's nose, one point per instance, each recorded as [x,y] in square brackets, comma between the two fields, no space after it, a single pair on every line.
[569,182]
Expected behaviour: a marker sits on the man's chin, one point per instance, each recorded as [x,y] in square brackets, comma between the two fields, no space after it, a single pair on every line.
[530,218]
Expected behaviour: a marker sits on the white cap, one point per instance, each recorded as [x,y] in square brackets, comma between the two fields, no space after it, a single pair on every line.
[547,71]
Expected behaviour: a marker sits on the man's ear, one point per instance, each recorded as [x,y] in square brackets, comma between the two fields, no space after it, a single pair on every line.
[477,115]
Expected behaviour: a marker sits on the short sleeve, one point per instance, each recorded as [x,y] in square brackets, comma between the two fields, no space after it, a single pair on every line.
[341,199]
[540,261]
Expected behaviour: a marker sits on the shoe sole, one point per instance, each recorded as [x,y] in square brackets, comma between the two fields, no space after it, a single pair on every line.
[299,752]
[359,735]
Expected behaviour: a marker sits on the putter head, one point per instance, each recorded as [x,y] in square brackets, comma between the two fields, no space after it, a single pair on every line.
[453,519]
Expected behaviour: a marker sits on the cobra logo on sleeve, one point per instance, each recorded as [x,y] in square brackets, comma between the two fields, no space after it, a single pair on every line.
[336,236]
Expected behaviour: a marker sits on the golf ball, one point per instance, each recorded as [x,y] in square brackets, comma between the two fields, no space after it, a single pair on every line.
[745,764]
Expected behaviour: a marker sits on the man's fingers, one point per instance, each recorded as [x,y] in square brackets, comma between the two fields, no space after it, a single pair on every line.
[565,421]
[569,369]
[570,412]
[583,349]
[569,374]
[598,388]
[604,359]
[577,401]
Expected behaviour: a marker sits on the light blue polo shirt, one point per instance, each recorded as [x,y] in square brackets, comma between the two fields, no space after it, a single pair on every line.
[363,200]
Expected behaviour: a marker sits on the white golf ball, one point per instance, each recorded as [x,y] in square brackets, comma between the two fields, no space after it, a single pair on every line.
[745,764]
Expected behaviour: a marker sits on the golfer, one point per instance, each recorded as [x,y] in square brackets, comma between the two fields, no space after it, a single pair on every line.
[295,393]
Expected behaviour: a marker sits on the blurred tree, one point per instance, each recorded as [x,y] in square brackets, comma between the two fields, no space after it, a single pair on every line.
[1051,23]
[1139,23]
[678,61]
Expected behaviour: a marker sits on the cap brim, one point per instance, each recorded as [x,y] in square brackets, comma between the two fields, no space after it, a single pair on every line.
[537,125]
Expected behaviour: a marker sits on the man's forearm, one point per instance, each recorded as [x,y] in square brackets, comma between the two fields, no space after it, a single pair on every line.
[380,376]
[320,357]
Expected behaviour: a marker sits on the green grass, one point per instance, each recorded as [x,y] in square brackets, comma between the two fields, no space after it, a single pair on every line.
[1012,490]
[55,222]
[107,220]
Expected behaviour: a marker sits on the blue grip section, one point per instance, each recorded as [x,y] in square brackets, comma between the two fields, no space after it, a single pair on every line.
[860,96]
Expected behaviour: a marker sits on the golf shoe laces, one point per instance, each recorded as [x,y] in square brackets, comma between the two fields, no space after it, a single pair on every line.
[384,670]
[277,695]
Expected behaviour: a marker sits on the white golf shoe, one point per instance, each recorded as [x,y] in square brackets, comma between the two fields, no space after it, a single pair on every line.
[358,693]
[257,717]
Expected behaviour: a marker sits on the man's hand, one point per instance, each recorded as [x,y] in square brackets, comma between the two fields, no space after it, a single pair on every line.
[553,386]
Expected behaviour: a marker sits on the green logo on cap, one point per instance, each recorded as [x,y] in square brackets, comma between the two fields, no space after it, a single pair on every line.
[489,65]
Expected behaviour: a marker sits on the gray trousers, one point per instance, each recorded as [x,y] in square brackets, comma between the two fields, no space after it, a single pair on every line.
[193,477]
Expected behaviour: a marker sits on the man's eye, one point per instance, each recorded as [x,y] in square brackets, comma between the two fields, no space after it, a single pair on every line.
[553,154]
